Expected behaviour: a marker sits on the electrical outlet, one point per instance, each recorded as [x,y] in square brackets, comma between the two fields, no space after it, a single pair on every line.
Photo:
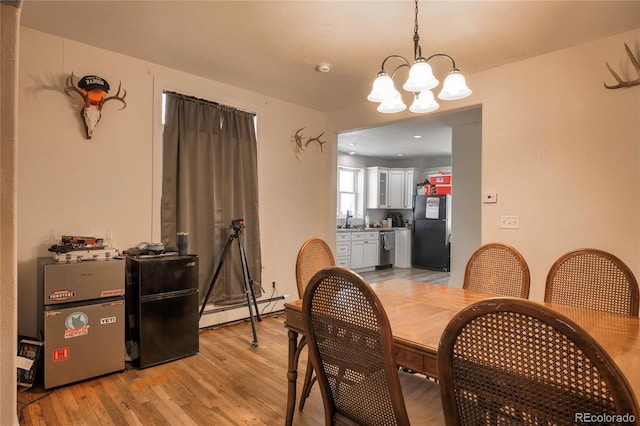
[510,222]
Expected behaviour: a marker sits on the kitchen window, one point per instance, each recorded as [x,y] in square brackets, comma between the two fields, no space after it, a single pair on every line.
[350,192]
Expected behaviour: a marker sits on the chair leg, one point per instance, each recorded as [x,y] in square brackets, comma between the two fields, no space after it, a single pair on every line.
[309,379]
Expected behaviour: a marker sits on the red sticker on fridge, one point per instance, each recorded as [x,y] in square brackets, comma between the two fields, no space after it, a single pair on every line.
[60,354]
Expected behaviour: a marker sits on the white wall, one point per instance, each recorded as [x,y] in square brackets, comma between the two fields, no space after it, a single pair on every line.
[561,151]
[67,183]
[465,207]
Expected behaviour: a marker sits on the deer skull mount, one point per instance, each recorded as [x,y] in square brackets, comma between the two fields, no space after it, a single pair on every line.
[301,145]
[621,82]
[93,90]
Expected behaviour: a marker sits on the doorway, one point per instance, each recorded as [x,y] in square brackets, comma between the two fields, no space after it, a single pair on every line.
[449,142]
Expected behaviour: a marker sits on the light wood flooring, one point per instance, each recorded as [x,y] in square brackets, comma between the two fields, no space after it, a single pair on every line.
[228,382]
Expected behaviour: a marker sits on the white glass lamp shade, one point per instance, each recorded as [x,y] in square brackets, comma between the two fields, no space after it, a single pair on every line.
[454,87]
[383,88]
[392,105]
[424,102]
[420,78]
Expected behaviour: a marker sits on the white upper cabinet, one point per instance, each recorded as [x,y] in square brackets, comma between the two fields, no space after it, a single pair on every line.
[411,177]
[377,188]
[391,188]
[396,189]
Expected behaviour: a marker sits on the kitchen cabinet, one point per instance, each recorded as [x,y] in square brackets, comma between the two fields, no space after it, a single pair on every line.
[396,188]
[389,188]
[411,180]
[364,249]
[377,187]
[343,249]
[403,248]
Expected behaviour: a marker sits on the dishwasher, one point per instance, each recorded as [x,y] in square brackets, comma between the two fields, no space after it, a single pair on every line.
[387,244]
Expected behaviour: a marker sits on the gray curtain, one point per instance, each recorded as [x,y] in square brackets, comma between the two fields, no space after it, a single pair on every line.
[209,179]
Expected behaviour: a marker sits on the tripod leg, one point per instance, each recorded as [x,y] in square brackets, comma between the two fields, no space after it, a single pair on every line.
[243,254]
[248,289]
[215,276]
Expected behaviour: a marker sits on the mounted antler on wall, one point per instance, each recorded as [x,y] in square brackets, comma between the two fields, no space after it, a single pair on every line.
[93,90]
[301,145]
[622,83]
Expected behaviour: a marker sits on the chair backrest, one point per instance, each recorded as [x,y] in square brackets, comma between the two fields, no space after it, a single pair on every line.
[513,361]
[595,279]
[351,348]
[314,255]
[499,269]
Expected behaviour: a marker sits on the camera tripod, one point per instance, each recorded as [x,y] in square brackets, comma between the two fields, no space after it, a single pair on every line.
[238,225]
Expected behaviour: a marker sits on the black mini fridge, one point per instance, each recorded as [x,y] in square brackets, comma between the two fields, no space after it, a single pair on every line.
[162,308]
[431,234]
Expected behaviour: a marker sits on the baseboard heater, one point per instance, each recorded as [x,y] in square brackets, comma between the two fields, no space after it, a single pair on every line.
[242,305]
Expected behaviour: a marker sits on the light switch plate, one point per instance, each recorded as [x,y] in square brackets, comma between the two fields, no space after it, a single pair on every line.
[510,222]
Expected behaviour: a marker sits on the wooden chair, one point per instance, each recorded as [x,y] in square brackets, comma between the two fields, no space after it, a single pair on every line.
[351,347]
[314,255]
[499,269]
[595,279]
[514,361]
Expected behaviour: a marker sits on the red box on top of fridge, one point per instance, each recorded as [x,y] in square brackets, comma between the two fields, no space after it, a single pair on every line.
[440,179]
[443,189]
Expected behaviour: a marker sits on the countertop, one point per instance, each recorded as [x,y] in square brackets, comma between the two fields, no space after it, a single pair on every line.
[372,229]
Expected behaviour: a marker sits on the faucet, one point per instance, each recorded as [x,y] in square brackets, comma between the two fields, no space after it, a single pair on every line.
[349,216]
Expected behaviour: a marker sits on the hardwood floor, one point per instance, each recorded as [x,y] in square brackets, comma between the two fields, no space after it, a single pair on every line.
[438,277]
[228,382]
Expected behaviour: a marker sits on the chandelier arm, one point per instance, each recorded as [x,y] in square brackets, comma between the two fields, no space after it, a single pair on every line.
[398,67]
[406,63]
[453,62]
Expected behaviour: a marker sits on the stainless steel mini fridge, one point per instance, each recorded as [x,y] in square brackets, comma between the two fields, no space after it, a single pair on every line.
[82,319]
[162,308]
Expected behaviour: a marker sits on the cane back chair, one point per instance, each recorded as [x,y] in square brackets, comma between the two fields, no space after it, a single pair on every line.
[594,279]
[314,255]
[351,346]
[499,269]
[513,361]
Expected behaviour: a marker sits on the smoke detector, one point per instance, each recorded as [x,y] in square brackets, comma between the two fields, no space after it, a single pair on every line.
[323,67]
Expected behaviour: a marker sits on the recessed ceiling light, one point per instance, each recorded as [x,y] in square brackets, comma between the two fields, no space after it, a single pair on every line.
[417,136]
[351,144]
[400,155]
[352,152]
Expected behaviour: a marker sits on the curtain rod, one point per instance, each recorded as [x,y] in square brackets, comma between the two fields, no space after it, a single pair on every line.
[206,101]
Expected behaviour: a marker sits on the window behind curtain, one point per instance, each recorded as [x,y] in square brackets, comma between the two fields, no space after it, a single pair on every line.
[209,179]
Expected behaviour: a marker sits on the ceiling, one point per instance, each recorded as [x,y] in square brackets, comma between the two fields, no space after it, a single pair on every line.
[424,136]
[273,47]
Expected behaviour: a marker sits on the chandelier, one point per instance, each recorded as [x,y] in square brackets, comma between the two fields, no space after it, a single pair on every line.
[420,82]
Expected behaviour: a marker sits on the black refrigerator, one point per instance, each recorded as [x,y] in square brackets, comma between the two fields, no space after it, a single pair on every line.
[162,308]
[430,242]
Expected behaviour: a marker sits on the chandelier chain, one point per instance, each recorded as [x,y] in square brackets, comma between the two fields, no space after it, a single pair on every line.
[415,26]
[417,50]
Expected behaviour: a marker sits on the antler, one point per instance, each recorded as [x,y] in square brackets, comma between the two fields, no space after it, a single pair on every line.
[301,145]
[622,83]
[71,87]
[117,97]
[298,138]
[316,139]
